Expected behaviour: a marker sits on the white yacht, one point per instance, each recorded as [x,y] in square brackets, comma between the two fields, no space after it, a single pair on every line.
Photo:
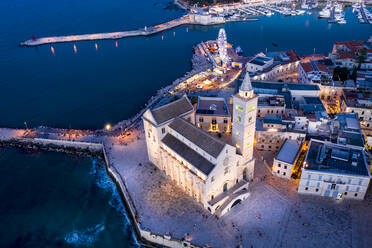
[343,21]
[338,8]
[325,13]
[300,12]
[304,5]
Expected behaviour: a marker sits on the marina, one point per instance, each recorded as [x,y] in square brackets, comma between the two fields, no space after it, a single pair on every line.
[215,15]
[90,84]
[363,14]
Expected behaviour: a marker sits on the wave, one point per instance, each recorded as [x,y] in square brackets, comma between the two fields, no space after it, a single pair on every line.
[104,182]
[86,237]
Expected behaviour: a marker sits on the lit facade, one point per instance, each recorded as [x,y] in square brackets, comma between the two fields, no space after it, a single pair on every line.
[213,172]
[334,170]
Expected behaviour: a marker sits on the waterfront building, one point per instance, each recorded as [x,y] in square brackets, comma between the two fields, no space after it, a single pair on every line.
[280,66]
[359,102]
[259,63]
[205,19]
[286,158]
[347,54]
[334,170]
[314,72]
[213,115]
[213,171]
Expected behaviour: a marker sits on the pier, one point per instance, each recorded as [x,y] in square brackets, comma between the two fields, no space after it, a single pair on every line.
[188,19]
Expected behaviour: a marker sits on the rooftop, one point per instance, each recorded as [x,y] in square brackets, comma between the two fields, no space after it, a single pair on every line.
[188,154]
[313,100]
[172,110]
[276,100]
[272,119]
[358,99]
[329,157]
[198,137]
[280,86]
[288,152]
[260,60]
[212,106]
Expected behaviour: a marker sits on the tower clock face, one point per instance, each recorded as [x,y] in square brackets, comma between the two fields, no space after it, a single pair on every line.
[226,161]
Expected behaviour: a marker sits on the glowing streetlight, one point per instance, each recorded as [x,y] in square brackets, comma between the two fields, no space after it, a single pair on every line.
[108,127]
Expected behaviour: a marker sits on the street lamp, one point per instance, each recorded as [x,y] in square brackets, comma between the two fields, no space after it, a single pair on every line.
[108,126]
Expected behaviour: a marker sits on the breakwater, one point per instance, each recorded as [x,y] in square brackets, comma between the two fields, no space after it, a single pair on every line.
[146,31]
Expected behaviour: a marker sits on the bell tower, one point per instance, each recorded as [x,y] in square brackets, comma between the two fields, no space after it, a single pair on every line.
[244,119]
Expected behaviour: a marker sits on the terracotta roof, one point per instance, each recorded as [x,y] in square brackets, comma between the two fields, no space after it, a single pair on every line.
[307,67]
[322,67]
[293,55]
[345,55]
[351,45]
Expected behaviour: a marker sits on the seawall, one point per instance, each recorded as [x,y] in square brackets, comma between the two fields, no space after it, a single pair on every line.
[144,237]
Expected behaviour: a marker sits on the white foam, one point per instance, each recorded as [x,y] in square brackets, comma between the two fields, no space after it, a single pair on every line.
[86,237]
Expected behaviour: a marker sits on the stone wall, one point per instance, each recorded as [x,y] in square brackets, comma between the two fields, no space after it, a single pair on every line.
[145,238]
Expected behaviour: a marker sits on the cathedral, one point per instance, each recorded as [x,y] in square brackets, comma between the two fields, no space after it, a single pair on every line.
[214,171]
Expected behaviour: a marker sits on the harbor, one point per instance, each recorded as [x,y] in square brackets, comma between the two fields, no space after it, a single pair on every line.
[217,15]
[146,31]
[69,96]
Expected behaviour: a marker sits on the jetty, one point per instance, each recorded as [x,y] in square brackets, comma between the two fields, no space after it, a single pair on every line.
[188,19]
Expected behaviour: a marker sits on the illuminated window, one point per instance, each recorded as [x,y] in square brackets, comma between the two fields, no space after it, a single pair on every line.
[239,108]
[250,119]
[237,133]
[226,170]
[251,108]
[239,119]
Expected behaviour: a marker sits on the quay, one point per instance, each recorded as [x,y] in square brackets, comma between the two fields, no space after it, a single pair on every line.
[188,19]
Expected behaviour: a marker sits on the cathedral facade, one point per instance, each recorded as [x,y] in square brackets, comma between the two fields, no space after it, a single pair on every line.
[214,172]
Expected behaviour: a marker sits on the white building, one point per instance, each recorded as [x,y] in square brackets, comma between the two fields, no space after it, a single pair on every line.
[359,102]
[259,63]
[286,159]
[313,72]
[345,54]
[213,172]
[334,170]
[281,66]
